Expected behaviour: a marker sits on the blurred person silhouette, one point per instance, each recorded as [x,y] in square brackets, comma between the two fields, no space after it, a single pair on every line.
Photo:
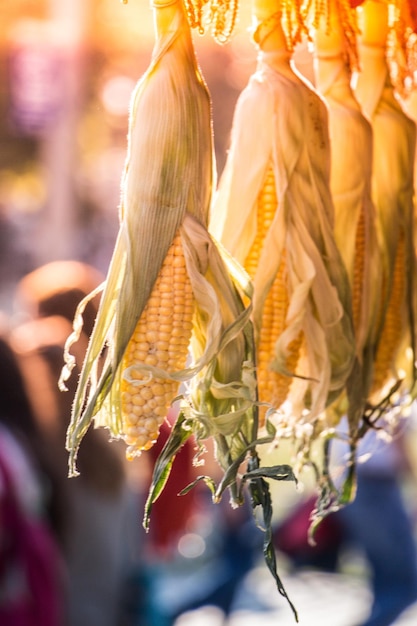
[233,547]
[49,296]
[198,553]
[101,516]
[31,507]
[57,288]
[104,531]
[169,521]
[15,257]
[378,525]
[51,293]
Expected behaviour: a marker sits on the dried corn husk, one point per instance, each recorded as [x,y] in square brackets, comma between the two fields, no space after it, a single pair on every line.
[280,117]
[355,216]
[410,107]
[394,142]
[167,187]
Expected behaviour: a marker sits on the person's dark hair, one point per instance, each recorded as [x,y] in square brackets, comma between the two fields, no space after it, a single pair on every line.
[40,345]
[15,407]
[57,288]
[17,414]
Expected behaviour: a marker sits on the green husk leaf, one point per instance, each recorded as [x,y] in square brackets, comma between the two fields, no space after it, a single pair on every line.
[206,479]
[275,472]
[261,497]
[162,469]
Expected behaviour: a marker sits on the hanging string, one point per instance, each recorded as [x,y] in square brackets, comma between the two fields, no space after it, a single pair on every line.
[402,45]
[317,10]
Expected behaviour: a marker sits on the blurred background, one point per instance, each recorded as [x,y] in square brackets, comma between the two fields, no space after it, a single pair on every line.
[67,70]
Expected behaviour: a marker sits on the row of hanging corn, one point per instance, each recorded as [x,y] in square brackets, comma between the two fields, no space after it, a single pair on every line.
[275,303]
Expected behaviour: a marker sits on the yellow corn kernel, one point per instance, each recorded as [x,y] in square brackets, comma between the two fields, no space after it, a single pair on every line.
[392,330]
[359,271]
[267,206]
[273,387]
[145,405]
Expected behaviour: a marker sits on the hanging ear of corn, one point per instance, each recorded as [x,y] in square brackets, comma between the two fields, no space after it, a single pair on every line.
[220,409]
[273,385]
[221,404]
[355,216]
[166,271]
[394,143]
[280,134]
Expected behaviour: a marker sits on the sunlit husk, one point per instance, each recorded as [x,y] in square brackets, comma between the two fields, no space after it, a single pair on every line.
[224,390]
[320,303]
[166,187]
[355,216]
[394,143]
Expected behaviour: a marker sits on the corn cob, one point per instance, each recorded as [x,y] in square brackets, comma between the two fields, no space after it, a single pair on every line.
[358,271]
[393,321]
[266,208]
[167,280]
[410,108]
[273,387]
[350,183]
[161,339]
[267,133]
[405,72]
[394,143]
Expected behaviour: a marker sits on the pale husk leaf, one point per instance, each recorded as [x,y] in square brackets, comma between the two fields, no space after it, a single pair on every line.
[168,172]
[394,144]
[320,294]
[351,185]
